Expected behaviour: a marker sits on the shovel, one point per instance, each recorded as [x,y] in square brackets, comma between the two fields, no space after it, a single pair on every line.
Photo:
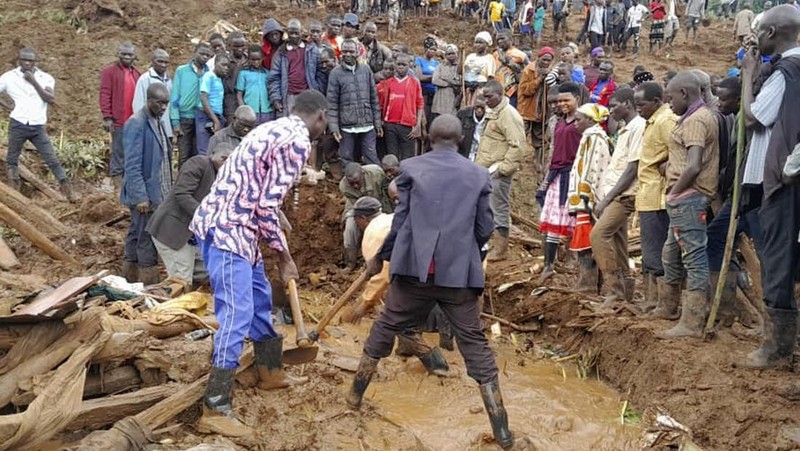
[305,351]
[338,306]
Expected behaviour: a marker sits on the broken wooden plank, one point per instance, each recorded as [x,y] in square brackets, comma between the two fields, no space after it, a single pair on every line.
[98,413]
[32,213]
[8,260]
[36,237]
[47,301]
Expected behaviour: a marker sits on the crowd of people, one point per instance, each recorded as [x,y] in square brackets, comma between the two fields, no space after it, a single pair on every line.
[429,147]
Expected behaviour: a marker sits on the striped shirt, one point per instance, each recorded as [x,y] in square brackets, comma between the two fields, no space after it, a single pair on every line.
[765,108]
[244,203]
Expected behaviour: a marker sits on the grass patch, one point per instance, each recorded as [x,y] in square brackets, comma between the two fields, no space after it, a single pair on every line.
[628,415]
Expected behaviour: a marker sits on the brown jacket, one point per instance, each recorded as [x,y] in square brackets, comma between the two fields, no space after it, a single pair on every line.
[502,139]
[531,96]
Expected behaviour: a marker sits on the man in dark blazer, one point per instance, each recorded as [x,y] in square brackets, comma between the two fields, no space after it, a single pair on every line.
[472,121]
[169,226]
[146,181]
[442,221]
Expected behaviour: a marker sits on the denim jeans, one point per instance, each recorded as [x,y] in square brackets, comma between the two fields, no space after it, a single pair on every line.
[363,141]
[685,249]
[18,133]
[718,233]
[202,133]
[139,247]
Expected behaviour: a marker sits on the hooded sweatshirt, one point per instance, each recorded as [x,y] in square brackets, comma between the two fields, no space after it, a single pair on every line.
[270,25]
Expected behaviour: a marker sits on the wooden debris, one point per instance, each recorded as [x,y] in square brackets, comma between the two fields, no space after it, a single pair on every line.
[98,413]
[30,283]
[46,303]
[8,260]
[33,235]
[116,380]
[32,213]
[505,322]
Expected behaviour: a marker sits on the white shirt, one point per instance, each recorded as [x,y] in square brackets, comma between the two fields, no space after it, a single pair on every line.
[627,150]
[29,108]
[523,17]
[597,15]
[636,15]
[765,108]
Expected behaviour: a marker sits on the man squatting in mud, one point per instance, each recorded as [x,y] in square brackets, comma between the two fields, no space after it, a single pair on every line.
[440,225]
[240,210]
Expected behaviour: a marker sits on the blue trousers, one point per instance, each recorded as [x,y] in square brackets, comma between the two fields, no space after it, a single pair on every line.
[685,249]
[242,302]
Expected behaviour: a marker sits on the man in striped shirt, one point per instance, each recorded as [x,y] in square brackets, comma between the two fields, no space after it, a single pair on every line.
[241,209]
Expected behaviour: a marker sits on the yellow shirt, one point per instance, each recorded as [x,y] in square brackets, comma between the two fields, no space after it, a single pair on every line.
[496,11]
[651,194]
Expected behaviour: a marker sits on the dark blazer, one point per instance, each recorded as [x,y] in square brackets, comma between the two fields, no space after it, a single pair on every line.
[170,222]
[143,156]
[466,116]
[443,215]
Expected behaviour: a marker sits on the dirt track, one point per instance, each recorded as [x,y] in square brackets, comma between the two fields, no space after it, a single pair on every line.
[725,408]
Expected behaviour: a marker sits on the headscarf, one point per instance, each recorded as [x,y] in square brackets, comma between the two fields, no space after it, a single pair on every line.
[546,51]
[428,43]
[450,48]
[642,77]
[594,111]
[596,51]
[485,37]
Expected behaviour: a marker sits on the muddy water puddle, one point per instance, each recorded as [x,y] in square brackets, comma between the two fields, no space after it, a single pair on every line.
[547,403]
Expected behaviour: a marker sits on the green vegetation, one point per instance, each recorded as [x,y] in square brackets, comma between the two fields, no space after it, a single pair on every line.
[83,159]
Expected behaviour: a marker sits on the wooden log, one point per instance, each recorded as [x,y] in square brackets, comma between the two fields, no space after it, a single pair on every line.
[34,180]
[122,346]
[100,412]
[37,339]
[523,220]
[170,330]
[36,237]
[155,416]
[16,201]
[49,358]
[116,380]
[8,260]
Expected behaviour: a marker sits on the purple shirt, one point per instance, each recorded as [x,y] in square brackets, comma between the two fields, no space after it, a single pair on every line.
[566,140]
[244,201]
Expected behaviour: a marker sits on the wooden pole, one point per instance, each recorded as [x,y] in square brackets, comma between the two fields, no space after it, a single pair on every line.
[726,259]
[314,335]
[43,220]
[30,232]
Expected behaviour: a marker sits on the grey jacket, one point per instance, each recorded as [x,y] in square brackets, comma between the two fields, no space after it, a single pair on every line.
[352,98]
[443,217]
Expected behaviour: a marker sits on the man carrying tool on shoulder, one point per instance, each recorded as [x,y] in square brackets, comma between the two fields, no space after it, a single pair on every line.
[241,209]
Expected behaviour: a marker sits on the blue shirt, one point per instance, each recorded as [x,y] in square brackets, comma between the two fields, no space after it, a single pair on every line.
[427,67]
[185,93]
[212,85]
[740,56]
[253,85]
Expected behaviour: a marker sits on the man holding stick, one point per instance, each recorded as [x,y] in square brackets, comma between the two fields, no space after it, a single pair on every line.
[241,209]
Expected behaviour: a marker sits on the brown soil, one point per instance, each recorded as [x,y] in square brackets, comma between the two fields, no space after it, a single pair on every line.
[726,408]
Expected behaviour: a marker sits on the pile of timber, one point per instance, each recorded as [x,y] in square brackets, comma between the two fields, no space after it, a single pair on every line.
[102,365]
[32,222]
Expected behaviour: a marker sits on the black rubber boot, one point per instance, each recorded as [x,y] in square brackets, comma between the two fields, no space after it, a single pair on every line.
[588,274]
[550,251]
[218,417]
[446,340]
[779,342]
[366,369]
[726,315]
[267,357]
[669,298]
[650,284]
[435,363]
[498,417]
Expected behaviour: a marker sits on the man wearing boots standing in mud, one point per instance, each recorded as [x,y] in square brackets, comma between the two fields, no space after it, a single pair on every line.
[609,235]
[439,227]
[651,184]
[242,209]
[692,173]
[32,91]
[771,117]
[117,89]
[500,150]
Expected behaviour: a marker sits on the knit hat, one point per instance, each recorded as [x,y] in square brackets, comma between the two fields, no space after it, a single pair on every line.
[546,51]
[366,206]
[485,37]
[594,111]
[271,25]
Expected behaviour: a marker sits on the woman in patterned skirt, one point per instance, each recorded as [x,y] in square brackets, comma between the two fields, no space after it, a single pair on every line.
[659,12]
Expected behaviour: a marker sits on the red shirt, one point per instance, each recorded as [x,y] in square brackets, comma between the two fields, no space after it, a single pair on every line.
[404,100]
[566,140]
[268,50]
[383,95]
[297,70]
[128,93]
[333,42]
[658,10]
